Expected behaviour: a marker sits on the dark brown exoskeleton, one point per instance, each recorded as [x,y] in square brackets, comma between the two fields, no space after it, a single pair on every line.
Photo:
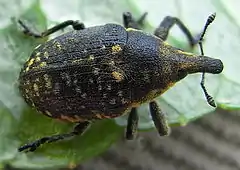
[102,72]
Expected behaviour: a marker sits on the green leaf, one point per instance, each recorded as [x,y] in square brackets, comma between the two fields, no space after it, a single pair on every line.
[182,103]
[69,152]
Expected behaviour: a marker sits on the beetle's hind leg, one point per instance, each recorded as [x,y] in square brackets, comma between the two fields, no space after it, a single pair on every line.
[163,30]
[78,130]
[159,119]
[130,22]
[132,125]
[75,24]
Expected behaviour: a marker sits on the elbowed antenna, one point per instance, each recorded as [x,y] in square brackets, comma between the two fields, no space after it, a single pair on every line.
[191,63]
[209,98]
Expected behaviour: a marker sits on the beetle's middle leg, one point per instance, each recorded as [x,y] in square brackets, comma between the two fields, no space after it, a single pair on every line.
[163,29]
[132,124]
[159,119]
[75,24]
[78,130]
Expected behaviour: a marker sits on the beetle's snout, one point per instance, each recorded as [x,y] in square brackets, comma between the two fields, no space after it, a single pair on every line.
[214,66]
[202,64]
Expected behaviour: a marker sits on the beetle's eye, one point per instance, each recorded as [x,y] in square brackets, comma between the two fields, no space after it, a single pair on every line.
[181,74]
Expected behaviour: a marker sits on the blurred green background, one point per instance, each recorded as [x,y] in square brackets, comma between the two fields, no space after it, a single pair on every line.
[185,102]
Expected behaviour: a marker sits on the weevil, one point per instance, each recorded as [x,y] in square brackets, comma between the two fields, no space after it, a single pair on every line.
[106,71]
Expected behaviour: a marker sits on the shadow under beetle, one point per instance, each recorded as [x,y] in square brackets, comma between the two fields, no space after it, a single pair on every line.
[105,71]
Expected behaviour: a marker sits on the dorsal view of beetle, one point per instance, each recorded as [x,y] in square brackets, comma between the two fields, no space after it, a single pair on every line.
[105,71]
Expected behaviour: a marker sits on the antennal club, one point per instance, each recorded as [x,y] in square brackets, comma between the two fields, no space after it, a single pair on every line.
[209,98]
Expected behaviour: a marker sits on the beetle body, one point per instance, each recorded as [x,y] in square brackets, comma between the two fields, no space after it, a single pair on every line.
[105,71]
[102,71]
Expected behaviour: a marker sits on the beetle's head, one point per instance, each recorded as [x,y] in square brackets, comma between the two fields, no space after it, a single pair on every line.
[180,64]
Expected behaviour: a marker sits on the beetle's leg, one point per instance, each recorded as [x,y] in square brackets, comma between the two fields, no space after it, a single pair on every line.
[141,20]
[132,124]
[78,130]
[159,119]
[163,29]
[130,22]
[75,24]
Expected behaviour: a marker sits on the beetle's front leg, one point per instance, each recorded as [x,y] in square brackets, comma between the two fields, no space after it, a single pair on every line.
[159,119]
[78,130]
[130,22]
[163,29]
[132,124]
[75,24]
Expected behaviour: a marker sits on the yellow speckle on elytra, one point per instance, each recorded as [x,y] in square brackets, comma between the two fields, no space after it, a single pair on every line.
[91,58]
[30,62]
[49,84]
[42,64]
[35,87]
[26,91]
[38,59]
[118,76]
[46,77]
[38,54]
[77,60]
[26,96]
[46,55]
[27,69]
[48,81]
[58,45]
[116,49]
